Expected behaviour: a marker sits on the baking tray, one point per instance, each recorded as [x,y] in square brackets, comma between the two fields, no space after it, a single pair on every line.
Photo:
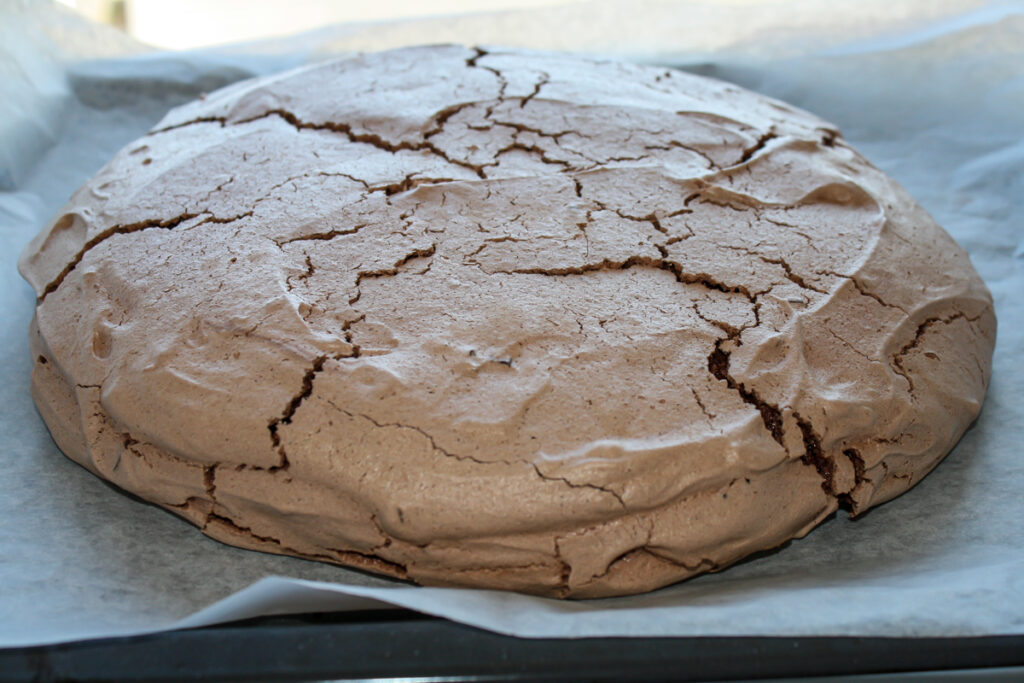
[400,644]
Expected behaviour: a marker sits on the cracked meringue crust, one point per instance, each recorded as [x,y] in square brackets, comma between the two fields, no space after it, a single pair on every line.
[503,319]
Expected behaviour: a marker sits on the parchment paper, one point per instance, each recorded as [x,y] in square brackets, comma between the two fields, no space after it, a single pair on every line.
[933,93]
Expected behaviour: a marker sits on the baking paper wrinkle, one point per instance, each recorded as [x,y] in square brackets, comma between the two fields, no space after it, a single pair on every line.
[933,97]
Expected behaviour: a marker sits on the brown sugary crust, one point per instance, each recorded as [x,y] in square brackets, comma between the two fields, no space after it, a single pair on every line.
[503,319]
